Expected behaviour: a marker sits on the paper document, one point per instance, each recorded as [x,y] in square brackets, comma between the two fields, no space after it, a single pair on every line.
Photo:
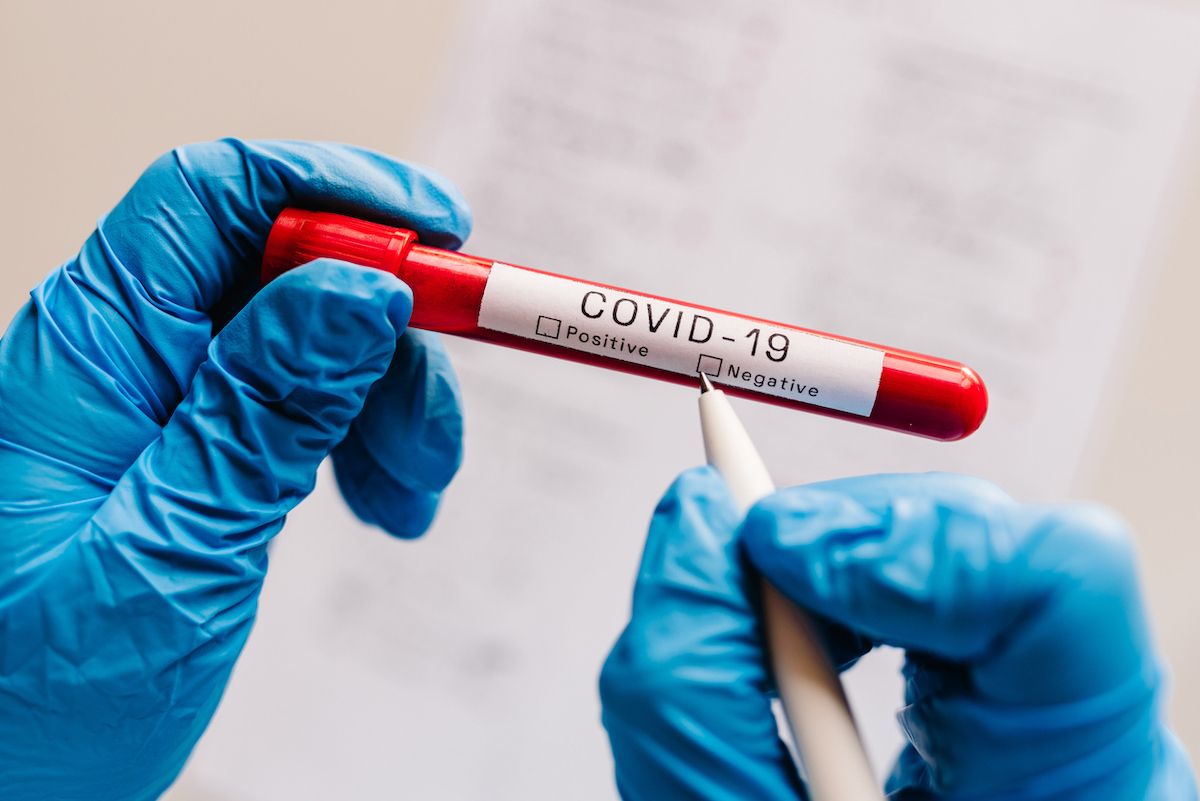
[978,181]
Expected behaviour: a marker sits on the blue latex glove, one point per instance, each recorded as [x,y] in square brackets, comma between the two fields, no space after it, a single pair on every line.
[146,464]
[1030,671]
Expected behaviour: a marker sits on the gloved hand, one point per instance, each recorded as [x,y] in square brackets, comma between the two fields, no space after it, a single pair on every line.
[1030,671]
[146,464]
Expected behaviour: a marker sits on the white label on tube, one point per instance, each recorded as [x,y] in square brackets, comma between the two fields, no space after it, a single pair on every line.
[682,339]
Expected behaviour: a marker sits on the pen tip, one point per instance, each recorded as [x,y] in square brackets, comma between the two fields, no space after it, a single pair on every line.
[705,384]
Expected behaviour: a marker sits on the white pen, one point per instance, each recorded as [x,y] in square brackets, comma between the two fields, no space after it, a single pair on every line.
[822,726]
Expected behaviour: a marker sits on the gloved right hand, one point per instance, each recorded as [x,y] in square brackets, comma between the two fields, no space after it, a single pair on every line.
[146,463]
[1030,670]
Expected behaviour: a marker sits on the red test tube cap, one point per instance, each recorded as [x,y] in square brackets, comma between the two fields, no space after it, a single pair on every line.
[299,236]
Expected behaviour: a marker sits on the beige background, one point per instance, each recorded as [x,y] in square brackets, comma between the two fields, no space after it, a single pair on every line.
[92,93]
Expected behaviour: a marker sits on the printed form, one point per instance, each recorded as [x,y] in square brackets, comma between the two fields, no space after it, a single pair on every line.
[979,181]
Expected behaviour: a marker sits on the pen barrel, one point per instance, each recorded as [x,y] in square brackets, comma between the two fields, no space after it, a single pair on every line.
[915,394]
[820,719]
[728,448]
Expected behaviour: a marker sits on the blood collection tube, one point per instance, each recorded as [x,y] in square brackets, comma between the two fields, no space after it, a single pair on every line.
[645,335]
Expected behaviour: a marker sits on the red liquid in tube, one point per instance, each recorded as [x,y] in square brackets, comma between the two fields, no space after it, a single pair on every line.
[645,335]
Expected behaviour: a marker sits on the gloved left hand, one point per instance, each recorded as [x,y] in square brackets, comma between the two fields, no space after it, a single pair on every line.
[147,463]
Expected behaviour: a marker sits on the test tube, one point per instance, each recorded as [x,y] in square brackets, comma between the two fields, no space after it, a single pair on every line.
[646,335]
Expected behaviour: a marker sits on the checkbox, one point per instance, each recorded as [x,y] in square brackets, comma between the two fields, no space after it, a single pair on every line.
[548,327]
[709,365]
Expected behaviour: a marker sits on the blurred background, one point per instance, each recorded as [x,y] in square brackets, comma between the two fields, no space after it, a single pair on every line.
[1010,184]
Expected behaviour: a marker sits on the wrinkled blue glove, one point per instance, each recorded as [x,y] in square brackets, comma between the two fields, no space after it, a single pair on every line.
[1030,671]
[147,463]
